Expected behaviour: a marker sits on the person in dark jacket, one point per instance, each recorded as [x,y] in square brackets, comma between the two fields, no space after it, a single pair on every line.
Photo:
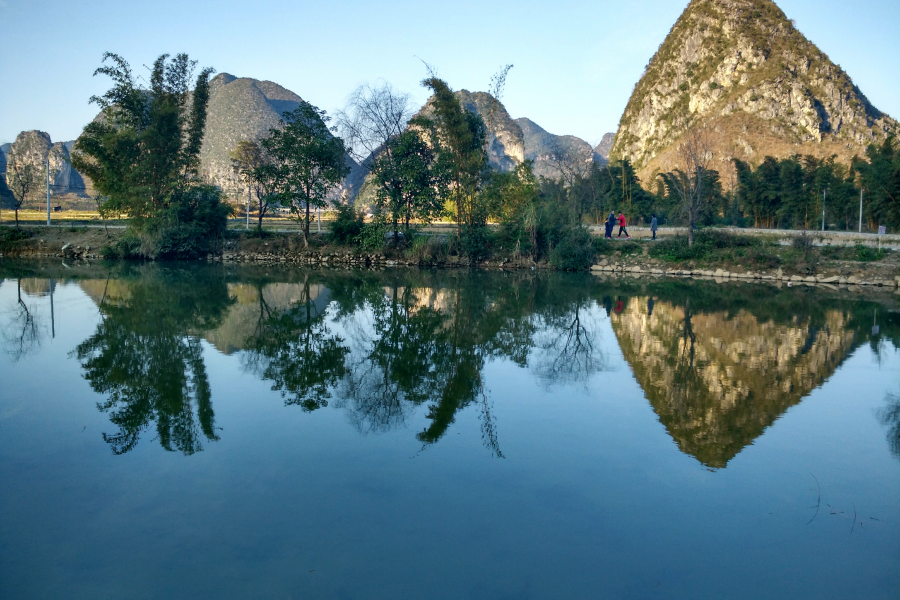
[610,223]
[622,227]
[653,225]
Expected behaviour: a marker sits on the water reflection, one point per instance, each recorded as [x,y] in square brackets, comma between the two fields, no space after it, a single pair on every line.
[22,330]
[890,417]
[717,379]
[717,365]
[144,359]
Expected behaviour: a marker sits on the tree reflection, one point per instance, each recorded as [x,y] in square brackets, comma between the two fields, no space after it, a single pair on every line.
[22,332]
[144,358]
[296,351]
[890,417]
[569,347]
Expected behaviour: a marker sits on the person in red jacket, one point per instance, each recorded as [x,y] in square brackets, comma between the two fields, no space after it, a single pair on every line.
[622,227]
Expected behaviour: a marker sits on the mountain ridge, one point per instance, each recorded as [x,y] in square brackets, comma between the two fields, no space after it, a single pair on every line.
[743,70]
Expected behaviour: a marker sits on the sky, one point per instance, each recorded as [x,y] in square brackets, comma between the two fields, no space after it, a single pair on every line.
[575,61]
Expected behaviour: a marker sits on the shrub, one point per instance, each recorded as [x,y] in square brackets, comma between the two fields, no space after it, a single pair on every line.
[193,225]
[683,87]
[127,247]
[474,241]
[428,249]
[371,236]
[868,254]
[14,235]
[347,226]
[574,252]
[706,244]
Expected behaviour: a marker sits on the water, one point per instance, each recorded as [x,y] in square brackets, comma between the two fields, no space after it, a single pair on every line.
[213,432]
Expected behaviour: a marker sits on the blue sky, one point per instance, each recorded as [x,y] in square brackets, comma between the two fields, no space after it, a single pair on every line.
[576,62]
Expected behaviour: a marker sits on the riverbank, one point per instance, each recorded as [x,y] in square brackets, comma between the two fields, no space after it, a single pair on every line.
[719,254]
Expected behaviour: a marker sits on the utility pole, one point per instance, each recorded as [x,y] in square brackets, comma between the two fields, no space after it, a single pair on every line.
[823,210]
[860,209]
[48,190]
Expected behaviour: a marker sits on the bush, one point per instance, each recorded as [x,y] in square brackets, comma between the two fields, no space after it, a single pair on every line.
[428,249]
[574,252]
[706,245]
[474,241]
[371,236]
[347,226]
[14,235]
[193,225]
[868,254]
[127,247]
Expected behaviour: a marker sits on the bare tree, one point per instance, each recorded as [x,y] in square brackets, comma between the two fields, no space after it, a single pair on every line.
[690,183]
[22,334]
[255,169]
[21,181]
[372,117]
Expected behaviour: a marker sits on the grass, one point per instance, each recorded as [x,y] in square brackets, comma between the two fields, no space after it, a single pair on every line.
[858,253]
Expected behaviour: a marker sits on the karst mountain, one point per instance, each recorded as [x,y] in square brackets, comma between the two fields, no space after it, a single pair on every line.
[742,70]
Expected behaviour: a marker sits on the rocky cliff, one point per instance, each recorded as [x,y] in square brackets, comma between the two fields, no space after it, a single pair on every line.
[513,141]
[242,108]
[605,146]
[506,143]
[36,148]
[743,70]
[548,150]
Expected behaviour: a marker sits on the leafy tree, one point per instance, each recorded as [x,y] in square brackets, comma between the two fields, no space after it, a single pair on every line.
[146,145]
[507,194]
[460,136]
[409,180]
[880,177]
[310,161]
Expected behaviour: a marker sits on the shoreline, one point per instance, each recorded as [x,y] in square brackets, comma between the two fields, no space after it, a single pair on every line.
[86,244]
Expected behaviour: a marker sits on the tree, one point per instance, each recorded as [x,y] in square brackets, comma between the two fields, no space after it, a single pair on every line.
[22,179]
[460,136]
[310,160]
[256,170]
[146,144]
[880,177]
[409,181]
[372,118]
[691,184]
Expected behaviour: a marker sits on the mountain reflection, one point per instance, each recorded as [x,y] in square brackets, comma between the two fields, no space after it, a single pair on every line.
[718,366]
[718,379]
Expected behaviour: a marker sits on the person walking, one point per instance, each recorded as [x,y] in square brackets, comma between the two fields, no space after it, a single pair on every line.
[610,223]
[653,225]
[622,227]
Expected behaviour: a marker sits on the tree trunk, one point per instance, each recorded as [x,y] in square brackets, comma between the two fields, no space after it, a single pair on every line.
[306,228]
[691,228]
[259,220]
[17,218]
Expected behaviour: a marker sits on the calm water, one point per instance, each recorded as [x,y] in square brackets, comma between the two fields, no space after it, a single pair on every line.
[223,433]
